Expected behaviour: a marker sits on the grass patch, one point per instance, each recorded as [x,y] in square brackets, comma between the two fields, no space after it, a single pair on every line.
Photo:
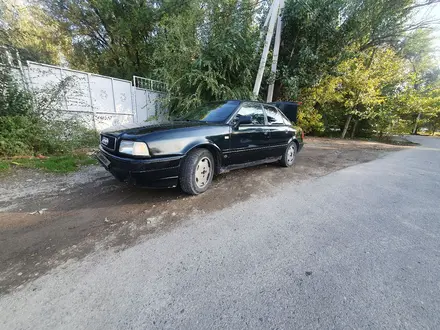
[55,164]
[4,166]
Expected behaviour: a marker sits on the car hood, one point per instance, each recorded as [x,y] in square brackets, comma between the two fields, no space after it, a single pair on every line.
[142,129]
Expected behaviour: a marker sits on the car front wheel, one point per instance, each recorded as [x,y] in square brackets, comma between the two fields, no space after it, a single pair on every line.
[197,172]
[289,155]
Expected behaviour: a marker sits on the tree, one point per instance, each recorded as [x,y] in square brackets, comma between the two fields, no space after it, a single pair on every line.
[206,53]
[33,33]
[417,50]
[320,34]
[357,87]
[115,38]
[354,64]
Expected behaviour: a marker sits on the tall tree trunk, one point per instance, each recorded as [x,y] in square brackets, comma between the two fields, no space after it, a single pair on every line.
[354,128]
[417,122]
[347,124]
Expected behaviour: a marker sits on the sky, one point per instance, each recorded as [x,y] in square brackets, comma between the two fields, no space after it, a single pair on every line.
[429,14]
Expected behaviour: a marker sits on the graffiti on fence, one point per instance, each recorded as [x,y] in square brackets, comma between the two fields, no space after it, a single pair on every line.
[97,100]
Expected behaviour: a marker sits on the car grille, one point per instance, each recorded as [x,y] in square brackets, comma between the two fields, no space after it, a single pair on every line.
[108,142]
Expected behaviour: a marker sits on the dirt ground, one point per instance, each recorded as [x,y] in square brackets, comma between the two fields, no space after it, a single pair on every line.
[47,219]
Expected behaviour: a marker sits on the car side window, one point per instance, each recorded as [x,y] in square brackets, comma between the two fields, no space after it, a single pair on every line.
[286,120]
[274,117]
[255,111]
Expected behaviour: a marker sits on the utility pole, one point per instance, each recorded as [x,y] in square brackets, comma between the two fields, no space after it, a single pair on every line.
[266,22]
[276,51]
[274,13]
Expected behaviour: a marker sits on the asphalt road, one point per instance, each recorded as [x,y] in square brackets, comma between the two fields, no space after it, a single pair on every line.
[359,248]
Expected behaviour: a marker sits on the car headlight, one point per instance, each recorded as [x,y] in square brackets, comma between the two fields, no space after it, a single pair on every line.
[134,148]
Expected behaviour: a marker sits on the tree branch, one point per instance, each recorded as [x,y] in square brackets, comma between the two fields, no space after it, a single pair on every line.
[420,5]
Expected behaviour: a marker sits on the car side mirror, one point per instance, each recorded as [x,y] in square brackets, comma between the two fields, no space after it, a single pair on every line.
[242,120]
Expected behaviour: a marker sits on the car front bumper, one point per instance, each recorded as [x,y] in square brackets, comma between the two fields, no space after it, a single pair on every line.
[153,172]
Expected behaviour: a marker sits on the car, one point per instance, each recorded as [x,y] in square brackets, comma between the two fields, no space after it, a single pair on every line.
[209,140]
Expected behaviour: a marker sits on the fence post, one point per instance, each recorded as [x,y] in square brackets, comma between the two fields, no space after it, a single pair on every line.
[135,99]
[23,77]
[114,99]
[64,91]
[91,101]
[133,103]
[31,88]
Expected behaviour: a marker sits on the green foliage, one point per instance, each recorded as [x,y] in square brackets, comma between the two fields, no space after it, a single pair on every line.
[310,120]
[24,131]
[13,100]
[204,50]
[318,35]
[56,164]
[19,135]
[115,38]
[207,53]
[35,34]
[31,135]
[4,166]
[360,65]
[311,43]
[376,89]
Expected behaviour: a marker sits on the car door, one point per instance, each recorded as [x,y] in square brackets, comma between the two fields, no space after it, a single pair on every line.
[280,130]
[249,142]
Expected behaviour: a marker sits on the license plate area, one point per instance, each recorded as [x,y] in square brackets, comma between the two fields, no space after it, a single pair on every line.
[104,160]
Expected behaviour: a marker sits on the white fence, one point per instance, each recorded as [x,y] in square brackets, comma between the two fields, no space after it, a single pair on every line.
[98,101]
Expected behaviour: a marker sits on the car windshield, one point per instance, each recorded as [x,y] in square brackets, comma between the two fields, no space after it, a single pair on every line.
[215,112]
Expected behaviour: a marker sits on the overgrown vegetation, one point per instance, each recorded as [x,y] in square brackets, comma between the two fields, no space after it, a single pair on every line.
[30,126]
[56,164]
[361,68]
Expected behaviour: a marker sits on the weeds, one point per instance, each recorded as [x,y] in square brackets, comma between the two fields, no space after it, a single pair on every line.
[33,125]
[4,166]
[55,164]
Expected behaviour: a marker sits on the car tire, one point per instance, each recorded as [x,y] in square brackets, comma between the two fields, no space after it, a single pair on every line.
[289,155]
[197,171]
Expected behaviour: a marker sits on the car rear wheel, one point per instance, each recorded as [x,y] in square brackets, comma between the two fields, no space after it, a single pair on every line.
[197,172]
[289,155]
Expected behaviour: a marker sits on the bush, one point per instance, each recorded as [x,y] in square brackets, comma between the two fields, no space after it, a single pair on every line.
[19,135]
[14,101]
[310,120]
[28,131]
[30,135]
